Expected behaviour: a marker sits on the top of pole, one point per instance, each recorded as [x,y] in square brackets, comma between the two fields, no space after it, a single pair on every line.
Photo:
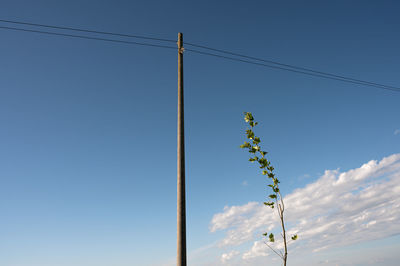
[180,42]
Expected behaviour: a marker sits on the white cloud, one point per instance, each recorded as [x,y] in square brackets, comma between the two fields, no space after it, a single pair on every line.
[257,250]
[397,131]
[231,215]
[226,257]
[340,208]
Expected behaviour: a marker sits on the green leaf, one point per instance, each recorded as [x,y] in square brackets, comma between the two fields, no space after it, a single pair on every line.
[253,159]
[250,134]
[263,162]
[269,204]
[271,175]
[271,237]
[272,196]
[245,145]
[275,189]
[248,117]
[265,234]
[256,140]
[294,237]
[264,172]
[263,153]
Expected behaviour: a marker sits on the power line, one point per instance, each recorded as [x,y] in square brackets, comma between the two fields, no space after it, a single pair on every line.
[248,59]
[88,37]
[376,85]
[302,69]
[88,31]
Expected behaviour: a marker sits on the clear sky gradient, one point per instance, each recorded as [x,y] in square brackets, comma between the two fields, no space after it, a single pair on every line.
[88,128]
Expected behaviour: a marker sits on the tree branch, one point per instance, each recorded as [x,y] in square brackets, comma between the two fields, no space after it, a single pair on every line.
[280,255]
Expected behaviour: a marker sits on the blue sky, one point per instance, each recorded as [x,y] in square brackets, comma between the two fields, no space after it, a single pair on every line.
[88,128]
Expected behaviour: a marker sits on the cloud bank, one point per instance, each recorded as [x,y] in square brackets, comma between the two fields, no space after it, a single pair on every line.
[339,209]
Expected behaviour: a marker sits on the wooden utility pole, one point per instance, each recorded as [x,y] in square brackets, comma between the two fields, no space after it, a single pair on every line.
[181,195]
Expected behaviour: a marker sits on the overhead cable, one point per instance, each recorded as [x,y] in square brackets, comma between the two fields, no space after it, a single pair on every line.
[376,85]
[302,69]
[88,37]
[87,31]
[237,57]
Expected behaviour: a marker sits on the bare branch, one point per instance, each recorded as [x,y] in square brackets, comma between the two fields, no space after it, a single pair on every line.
[280,196]
[280,255]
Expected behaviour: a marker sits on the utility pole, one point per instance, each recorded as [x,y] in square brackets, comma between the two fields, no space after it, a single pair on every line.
[181,194]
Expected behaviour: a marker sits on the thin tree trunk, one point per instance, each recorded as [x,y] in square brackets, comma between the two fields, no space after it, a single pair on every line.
[281,209]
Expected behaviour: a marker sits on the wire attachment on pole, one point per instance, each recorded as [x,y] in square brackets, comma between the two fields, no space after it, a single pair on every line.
[181,49]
